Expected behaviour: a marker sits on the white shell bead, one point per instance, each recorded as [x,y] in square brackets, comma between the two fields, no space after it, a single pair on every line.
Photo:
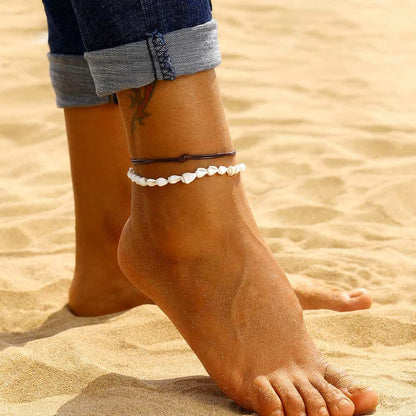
[231,171]
[201,172]
[212,170]
[222,170]
[161,181]
[188,177]
[174,179]
[142,181]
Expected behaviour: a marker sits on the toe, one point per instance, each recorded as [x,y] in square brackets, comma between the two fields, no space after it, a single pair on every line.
[358,299]
[267,402]
[365,399]
[353,300]
[314,402]
[337,402]
[315,294]
[291,399]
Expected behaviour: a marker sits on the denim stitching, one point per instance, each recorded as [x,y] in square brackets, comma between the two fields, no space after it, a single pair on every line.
[148,37]
[161,49]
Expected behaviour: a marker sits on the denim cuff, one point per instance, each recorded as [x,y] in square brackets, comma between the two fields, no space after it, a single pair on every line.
[72,81]
[162,57]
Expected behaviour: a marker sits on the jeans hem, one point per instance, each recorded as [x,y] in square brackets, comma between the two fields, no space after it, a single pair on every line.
[162,57]
[72,82]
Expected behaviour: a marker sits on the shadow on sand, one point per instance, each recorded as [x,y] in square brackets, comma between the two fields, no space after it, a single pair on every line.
[119,395]
[59,321]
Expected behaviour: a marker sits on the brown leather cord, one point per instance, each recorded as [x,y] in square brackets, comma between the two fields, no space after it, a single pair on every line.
[183,158]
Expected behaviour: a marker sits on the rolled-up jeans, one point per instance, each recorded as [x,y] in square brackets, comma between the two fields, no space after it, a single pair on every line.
[100,47]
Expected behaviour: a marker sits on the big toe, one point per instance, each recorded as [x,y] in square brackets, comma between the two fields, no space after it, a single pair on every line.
[365,399]
[265,399]
[353,300]
[358,299]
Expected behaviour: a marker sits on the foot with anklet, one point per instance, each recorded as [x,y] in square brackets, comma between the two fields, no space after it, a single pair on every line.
[194,248]
[99,287]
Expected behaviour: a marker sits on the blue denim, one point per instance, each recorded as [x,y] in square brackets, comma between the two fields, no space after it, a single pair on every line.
[99,47]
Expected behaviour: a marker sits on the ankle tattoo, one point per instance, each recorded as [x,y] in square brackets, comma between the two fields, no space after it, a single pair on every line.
[139,98]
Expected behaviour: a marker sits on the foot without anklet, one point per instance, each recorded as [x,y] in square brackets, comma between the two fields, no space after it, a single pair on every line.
[186,177]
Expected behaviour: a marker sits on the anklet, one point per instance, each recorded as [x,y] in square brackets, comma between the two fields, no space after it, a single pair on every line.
[184,158]
[187,177]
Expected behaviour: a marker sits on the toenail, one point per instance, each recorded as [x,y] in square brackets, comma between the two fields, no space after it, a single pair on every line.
[359,291]
[344,403]
[277,413]
[353,390]
[322,411]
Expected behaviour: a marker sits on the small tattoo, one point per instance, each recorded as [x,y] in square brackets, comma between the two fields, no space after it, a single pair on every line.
[139,99]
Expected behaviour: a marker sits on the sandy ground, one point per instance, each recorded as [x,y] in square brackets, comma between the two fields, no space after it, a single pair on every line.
[321,99]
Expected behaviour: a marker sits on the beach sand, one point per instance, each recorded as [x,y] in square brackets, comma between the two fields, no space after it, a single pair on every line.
[321,100]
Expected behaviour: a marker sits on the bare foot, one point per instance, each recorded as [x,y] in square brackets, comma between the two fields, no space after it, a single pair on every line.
[199,255]
[102,288]
[95,136]
[315,294]
[99,287]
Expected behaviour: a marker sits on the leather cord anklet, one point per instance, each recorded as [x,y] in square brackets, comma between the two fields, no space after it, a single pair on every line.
[184,158]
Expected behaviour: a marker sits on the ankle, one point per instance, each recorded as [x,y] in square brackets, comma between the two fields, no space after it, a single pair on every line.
[187,219]
[172,251]
[151,266]
[99,231]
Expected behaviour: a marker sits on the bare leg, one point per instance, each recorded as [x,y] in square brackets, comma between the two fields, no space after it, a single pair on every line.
[95,136]
[196,251]
[98,150]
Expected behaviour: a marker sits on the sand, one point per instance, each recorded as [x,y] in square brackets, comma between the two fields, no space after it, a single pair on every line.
[321,100]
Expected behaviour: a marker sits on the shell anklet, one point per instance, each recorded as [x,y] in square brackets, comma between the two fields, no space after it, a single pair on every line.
[186,177]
